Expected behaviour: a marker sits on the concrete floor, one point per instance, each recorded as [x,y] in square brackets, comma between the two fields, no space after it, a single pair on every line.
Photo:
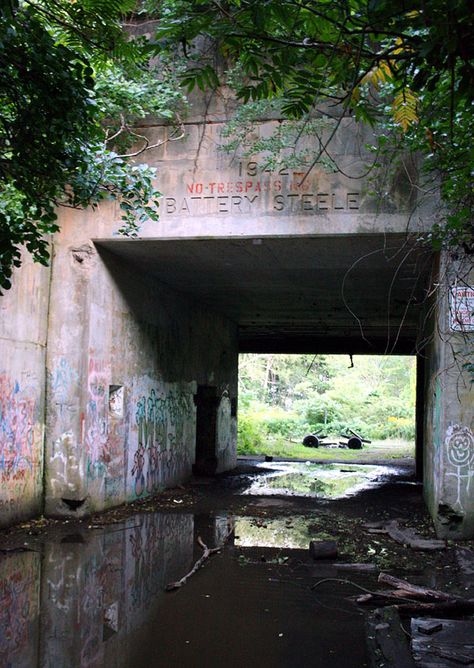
[92,592]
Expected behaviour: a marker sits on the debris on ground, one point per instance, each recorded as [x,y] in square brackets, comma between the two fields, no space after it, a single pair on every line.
[406,536]
[323,549]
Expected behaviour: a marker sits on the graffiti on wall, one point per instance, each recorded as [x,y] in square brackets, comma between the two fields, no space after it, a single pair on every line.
[224,428]
[105,431]
[19,585]
[164,421]
[460,459]
[62,381]
[96,418]
[20,435]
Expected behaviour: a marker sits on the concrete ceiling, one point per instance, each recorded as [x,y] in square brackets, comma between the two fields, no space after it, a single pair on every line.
[361,293]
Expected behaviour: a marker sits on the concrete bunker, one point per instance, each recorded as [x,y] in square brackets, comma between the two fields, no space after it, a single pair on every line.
[345,294]
[113,342]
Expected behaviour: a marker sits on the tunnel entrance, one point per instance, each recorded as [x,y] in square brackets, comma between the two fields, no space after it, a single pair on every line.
[346,418]
[210,299]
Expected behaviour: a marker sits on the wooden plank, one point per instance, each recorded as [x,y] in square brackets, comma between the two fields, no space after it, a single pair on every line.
[444,643]
[409,537]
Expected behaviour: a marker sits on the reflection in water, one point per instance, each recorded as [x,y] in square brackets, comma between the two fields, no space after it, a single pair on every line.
[95,599]
[19,607]
[292,533]
[326,481]
[93,593]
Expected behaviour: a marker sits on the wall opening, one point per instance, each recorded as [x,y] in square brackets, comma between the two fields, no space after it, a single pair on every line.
[366,408]
[206,401]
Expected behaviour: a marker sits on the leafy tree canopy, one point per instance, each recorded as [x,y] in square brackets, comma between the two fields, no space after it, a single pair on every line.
[72,82]
[405,66]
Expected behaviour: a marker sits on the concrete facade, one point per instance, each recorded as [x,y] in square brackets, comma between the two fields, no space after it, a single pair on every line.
[23,333]
[449,402]
[134,343]
[126,356]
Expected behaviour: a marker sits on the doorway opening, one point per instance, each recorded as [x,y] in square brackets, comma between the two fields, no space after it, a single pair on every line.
[325,408]
[206,401]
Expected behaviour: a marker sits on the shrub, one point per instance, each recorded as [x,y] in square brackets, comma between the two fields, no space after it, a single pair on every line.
[251,436]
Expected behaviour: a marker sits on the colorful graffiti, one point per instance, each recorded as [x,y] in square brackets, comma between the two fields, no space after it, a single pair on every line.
[18,416]
[62,380]
[460,457]
[19,592]
[162,421]
[97,419]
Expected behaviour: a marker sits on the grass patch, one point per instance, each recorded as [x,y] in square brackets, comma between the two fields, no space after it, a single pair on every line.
[377,450]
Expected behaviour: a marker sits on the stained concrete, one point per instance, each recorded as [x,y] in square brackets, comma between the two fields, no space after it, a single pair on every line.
[449,397]
[23,327]
[243,258]
[302,293]
[125,358]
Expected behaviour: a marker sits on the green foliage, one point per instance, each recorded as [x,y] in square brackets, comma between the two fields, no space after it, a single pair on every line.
[70,81]
[293,144]
[251,436]
[376,397]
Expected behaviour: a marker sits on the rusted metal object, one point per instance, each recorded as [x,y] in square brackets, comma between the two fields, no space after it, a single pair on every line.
[323,549]
[313,440]
[354,440]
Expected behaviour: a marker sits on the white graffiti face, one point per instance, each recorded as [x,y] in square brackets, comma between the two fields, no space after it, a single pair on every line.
[460,446]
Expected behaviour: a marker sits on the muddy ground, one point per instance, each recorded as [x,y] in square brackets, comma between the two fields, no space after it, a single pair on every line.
[94,590]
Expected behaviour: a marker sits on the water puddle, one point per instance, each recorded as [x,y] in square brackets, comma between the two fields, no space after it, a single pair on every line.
[293,533]
[96,599]
[324,481]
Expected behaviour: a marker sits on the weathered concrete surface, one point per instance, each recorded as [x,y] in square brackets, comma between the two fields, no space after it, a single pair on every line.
[449,426]
[208,193]
[125,358]
[23,323]
[20,577]
[323,294]
[241,257]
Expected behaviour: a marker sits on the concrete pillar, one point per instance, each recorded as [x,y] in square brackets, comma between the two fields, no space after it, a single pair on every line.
[23,328]
[449,424]
[125,356]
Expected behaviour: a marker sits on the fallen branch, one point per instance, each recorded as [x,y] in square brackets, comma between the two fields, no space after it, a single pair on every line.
[408,590]
[380,598]
[207,552]
[416,600]
[411,538]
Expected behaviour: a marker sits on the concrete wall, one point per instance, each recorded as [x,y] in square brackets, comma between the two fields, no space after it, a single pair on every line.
[449,401]
[125,357]
[23,324]
[208,192]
